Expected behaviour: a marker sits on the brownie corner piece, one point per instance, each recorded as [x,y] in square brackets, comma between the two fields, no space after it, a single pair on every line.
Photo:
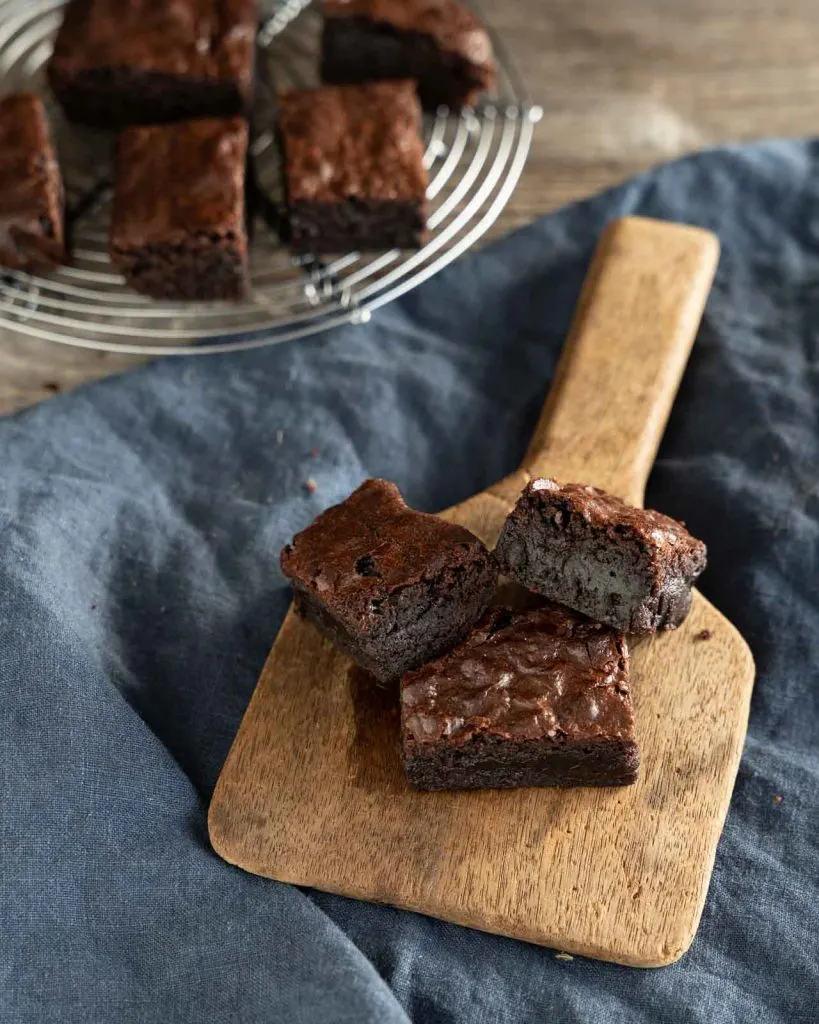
[117,63]
[31,188]
[389,586]
[438,43]
[629,567]
[178,229]
[536,698]
[354,175]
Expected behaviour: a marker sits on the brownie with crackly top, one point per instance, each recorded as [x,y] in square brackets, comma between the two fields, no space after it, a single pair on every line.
[32,234]
[178,228]
[354,175]
[389,586]
[536,698]
[123,62]
[438,43]
[628,567]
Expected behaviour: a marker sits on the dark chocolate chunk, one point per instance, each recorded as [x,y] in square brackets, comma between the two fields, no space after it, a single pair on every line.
[353,168]
[178,225]
[631,568]
[438,43]
[118,63]
[537,698]
[389,586]
[32,236]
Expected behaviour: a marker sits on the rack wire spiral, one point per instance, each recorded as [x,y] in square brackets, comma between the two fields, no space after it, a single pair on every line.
[474,162]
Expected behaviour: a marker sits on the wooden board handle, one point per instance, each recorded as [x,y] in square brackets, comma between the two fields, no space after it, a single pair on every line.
[632,334]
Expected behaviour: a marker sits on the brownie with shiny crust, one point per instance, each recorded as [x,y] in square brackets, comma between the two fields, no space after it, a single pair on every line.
[32,234]
[178,227]
[438,43]
[123,62]
[354,175]
[389,586]
[536,698]
[631,568]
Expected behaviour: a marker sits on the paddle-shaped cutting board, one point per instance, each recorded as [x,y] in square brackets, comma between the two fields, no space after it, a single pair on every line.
[313,791]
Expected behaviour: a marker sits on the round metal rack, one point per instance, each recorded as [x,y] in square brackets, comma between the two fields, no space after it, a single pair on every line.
[474,162]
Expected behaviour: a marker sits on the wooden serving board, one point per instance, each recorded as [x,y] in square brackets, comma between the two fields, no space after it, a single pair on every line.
[313,791]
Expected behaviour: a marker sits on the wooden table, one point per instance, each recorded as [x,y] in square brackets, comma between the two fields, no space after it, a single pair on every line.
[624,85]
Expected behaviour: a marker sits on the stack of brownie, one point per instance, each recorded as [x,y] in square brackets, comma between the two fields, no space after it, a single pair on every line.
[491,696]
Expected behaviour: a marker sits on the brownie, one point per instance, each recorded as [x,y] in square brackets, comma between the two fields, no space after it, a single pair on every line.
[31,190]
[629,567]
[123,62]
[178,224]
[536,698]
[389,586]
[438,43]
[354,175]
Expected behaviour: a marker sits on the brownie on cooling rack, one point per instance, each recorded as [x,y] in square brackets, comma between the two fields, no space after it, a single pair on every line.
[31,190]
[538,698]
[354,175]
[178,228]
[117,63]
[439,43]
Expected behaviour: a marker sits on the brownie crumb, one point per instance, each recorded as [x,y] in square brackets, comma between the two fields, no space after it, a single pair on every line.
[777,799]
[704,634]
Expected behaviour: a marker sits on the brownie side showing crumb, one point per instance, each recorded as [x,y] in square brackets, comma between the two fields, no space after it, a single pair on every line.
[178,225]
[439,44]
[538,698]
[361,224]
[390,587]
[117,63]
[32,232]
[354,173]
[630,568]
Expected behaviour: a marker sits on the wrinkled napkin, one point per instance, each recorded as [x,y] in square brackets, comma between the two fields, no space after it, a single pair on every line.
[140,524]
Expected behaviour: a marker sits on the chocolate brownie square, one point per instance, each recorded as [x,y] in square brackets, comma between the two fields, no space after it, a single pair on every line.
[354,171]
[438,43]
[629,567]
[31,190]
[536,698]
[178,226]
[389,586]
[122,62]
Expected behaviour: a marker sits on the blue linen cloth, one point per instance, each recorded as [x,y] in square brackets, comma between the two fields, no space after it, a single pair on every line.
[140,524]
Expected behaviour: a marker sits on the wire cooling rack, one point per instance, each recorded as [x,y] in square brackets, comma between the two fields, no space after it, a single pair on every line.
[474,162]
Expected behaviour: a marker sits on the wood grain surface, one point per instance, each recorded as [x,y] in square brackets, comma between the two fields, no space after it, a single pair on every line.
[313,790]
[623,85]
